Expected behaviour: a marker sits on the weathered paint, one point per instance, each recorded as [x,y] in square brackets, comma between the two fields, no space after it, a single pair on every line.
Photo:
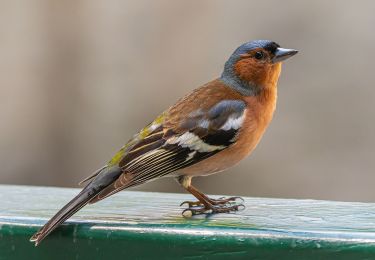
[146,225]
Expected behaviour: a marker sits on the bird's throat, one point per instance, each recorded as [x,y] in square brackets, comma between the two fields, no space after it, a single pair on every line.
[255,82]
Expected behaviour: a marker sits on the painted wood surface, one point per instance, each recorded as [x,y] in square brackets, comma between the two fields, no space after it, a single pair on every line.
[146,225]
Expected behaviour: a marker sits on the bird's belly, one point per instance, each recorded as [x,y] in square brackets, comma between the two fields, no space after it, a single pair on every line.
[218,162]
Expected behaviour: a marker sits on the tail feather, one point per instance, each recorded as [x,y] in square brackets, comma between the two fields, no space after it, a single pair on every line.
[84,197]
[66,212]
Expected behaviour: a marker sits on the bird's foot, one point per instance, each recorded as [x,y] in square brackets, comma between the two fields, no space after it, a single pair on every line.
[230,200]
[211,206]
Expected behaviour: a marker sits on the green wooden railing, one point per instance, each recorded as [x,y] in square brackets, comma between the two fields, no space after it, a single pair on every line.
[145,225]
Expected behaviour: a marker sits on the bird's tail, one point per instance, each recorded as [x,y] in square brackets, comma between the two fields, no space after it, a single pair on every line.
[84,197]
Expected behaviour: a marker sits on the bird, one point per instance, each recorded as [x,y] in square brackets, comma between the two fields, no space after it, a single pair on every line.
[207,131]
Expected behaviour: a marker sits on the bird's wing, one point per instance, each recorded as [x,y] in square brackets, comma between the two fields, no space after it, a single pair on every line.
[173,142]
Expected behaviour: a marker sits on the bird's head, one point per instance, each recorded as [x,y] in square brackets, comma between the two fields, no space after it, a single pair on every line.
[255,65]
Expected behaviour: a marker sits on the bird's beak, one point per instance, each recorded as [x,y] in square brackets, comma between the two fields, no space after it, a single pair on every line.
[282,54]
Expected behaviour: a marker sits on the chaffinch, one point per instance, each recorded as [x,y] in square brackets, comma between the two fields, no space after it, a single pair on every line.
[205,132]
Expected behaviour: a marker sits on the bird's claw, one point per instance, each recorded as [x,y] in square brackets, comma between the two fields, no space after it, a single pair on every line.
[230,200]
[192,211]
[221,205]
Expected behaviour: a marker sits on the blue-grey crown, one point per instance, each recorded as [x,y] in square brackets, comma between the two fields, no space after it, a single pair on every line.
[248,46]
[228,75]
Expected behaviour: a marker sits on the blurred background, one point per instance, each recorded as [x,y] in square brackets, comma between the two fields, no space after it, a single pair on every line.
[79,78]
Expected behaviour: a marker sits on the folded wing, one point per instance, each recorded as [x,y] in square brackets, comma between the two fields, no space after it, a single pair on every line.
[171,143]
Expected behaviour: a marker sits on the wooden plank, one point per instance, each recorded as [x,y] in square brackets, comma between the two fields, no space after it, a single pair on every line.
[139,225]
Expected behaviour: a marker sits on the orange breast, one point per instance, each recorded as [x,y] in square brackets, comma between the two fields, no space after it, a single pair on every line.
[259,114]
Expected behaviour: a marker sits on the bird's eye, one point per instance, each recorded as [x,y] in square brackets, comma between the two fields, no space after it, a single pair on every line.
[259,55]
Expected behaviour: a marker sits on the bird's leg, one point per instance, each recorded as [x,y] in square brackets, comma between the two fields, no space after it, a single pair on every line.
[206,204]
